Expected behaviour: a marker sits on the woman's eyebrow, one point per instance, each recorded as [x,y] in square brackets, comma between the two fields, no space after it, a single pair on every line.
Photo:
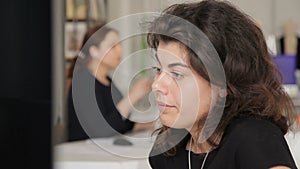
[172,64]
[178,64]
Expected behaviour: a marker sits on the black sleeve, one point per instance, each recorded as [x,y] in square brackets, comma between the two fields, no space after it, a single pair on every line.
[109,110]
[263,147]
[85,120]
[114,119]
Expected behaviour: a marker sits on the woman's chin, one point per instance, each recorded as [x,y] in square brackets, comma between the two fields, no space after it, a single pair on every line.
[168,120]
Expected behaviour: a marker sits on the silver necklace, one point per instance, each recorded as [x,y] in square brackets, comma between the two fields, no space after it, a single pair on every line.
[189,157]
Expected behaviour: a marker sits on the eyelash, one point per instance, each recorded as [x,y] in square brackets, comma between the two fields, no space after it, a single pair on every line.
[175,75]
[156,69]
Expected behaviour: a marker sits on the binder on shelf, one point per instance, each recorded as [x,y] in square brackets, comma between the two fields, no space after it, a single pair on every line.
[287,67]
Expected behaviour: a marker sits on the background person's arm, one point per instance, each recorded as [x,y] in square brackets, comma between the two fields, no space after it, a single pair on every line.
[138,91]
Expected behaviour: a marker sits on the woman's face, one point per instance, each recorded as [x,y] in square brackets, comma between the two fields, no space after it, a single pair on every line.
[111,49]
[183,96]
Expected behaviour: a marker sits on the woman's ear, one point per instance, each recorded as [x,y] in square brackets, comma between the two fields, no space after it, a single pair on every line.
[94,51]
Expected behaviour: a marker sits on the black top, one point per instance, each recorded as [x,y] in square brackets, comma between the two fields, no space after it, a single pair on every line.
[247,143]
[90,101]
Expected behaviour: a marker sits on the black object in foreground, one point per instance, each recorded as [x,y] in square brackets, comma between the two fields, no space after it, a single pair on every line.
[122,142]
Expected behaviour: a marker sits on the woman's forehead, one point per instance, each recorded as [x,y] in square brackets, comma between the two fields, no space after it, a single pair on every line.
[111,38]
[171,52]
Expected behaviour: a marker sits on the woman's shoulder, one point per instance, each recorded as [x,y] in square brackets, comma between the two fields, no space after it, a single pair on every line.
[250,131]
[248,125]
[257,142]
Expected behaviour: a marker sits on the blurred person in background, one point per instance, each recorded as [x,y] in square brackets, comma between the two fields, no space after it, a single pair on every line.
[101,52]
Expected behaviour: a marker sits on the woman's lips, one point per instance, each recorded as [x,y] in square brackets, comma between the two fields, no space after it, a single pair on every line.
[163,106]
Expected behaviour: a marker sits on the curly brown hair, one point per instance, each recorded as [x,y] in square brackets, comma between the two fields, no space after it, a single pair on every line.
[254,85]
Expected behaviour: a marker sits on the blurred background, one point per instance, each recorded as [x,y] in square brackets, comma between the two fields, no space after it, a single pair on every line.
[40,38]
[278,19]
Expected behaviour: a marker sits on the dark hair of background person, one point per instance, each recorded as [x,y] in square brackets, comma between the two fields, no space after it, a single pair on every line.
[92,37]
[253,82]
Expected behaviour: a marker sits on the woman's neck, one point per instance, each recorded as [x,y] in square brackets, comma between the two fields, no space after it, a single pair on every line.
[100,72]
[197,147]
[201,147]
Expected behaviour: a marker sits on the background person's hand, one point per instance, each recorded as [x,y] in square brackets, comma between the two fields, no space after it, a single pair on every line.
[139,89]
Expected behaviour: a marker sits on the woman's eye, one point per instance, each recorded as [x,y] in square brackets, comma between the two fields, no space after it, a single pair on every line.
[157,70]
[177,75]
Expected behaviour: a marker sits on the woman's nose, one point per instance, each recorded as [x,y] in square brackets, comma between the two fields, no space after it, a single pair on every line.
[161,83]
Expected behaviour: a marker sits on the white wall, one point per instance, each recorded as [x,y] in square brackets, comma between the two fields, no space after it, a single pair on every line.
[285,10]
[272,13]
